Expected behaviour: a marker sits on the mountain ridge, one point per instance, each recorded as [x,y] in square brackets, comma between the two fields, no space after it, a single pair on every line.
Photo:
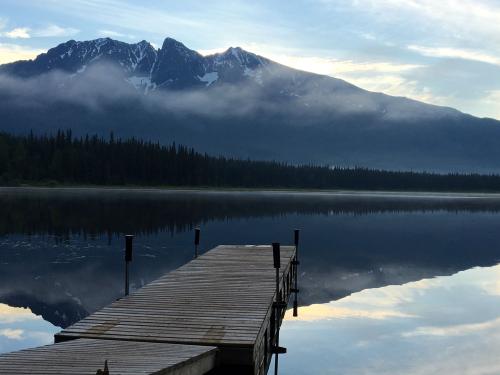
[137,59]
[240,104]
[148,65]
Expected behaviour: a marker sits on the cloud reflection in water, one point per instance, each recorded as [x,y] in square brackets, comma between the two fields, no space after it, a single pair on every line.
[20,328]
[433,326]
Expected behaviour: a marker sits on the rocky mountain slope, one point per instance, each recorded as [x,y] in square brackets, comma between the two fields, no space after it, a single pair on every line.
[237,103]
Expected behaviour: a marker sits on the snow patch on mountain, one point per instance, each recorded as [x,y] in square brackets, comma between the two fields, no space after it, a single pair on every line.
[209,78]
[141,83]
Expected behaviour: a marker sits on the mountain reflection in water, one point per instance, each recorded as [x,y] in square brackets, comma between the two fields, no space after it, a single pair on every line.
[61,250]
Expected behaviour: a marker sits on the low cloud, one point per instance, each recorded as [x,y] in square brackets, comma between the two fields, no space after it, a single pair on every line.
[103,84]
[330,311]
[456,53]
[284,94]
[9,315]
[44,32]
[12,334]
[114,34]
[459,20]
[17,33]
[55,31]
[491,101]
[454,330]
[13,52]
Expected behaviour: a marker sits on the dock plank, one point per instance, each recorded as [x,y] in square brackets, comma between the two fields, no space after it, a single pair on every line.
[223,298]
[86,356]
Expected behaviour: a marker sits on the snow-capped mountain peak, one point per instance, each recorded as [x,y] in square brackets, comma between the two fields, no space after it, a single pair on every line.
[322,118]
[173,66]
[74,56]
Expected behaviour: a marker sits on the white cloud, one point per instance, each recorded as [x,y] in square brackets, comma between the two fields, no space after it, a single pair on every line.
[17,33]
[335,67]
[117,14]
[14,52]
[193,23]
[211,51]
[455,330]
[111,33]
[114,34]
[491,102]
[368,36]
[9,314]
[397,85]
[12,334]
[54,31]
[473,24]
[329,311]
[48,31]
[458,53]
[478,17]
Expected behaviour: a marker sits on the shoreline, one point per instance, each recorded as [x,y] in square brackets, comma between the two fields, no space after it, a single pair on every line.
[254,191]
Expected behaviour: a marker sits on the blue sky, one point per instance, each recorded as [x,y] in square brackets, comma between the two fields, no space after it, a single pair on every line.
[444,52]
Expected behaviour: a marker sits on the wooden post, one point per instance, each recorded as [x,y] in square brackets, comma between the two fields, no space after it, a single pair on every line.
[196,241]
[279,305]
[128,258]
[296,273]
[277,261]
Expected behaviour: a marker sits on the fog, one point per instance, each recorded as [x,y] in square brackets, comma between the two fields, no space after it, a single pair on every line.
[285,115]
[102,84]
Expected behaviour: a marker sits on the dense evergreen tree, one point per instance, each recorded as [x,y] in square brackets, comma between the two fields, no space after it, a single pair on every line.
[64,159]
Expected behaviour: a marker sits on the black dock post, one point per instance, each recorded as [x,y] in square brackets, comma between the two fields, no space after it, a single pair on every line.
[128,258]
[196,241]
[279,305]
[295,264]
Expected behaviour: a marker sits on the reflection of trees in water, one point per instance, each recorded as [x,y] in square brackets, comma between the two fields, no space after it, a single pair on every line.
[332,269]
[97,212]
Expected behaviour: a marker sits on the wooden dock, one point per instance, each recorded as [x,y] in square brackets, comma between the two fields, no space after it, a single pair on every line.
[86,356]
[224,299]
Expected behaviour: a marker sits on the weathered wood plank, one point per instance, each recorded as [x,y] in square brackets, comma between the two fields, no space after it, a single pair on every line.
[223,298]
[86,356]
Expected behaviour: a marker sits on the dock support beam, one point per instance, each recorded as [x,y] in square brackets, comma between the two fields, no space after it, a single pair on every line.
[295,264]
[196,241]
[128,258]
[279,305]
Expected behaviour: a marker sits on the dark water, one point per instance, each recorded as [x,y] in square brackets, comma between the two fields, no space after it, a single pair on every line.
[61,256]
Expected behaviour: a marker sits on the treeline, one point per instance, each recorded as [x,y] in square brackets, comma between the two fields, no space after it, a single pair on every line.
[93,160]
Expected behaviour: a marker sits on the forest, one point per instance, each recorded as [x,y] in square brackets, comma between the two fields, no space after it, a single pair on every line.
[63,159]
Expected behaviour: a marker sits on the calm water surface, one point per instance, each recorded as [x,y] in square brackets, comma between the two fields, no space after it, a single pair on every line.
[390,283]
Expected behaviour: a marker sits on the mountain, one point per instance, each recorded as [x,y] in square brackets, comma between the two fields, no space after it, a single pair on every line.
[238,104]
[75,56]
[173,66]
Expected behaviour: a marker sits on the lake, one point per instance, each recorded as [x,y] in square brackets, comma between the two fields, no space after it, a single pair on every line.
[389,282]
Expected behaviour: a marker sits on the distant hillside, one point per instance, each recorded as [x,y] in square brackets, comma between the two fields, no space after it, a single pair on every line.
[237,104]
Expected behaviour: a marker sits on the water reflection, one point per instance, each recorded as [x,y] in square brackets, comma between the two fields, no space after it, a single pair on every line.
[444,325]
[61,250]
[20,328]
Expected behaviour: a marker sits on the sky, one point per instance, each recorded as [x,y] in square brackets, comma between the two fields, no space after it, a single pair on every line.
[444,52]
